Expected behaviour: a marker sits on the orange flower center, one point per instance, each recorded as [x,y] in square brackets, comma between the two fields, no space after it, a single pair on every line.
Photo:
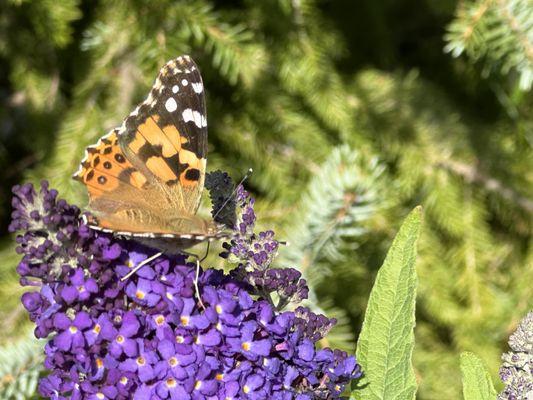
[171,382]
[173,361]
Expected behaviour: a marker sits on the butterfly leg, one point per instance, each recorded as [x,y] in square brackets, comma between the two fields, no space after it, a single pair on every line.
[206,252]
[196,288]
[198,261]
[140,265]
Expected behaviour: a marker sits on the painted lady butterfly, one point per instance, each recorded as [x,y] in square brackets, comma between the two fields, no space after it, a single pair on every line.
[145,179]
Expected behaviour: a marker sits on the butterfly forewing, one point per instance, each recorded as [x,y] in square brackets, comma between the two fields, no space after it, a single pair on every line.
[166,136]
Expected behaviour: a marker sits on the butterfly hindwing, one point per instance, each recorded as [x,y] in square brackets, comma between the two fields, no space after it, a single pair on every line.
[105,168]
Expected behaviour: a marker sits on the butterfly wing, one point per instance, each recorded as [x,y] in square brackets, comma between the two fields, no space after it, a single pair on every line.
[106,172]
[166,137]
[148,175]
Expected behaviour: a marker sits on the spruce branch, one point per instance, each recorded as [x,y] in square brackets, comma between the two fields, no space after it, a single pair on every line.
[497,32]
[234,52]
[341,197]
[473,175]
[21,364]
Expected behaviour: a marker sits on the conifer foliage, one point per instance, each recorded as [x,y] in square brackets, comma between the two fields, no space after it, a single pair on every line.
[350,114]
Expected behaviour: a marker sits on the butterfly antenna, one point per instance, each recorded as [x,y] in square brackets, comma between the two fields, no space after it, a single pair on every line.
[246,176]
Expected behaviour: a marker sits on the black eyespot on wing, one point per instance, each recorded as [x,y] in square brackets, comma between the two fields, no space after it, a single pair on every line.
[192,174]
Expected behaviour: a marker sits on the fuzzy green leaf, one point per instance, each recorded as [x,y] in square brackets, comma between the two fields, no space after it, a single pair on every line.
[477,384]
[386,342]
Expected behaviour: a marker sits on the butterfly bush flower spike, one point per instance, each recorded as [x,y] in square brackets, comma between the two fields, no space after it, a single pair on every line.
[517,369]
[148,337]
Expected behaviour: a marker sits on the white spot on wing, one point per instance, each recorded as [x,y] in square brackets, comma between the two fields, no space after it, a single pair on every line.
[191,115]
[171,104]
[198,87]
[139,234]
[184,82]
[175,89]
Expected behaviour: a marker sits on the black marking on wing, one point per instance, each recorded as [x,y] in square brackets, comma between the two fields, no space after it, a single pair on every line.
[175,73]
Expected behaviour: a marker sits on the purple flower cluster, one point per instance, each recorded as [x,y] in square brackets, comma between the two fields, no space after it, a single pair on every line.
[154,335]
[517,369]
[254,254]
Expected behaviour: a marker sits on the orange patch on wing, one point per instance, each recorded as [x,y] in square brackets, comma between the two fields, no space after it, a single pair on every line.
[187,182]
[136,144]
[188,157]
[174,136]
[105,181]
[138,178]
[160,168]
[93,189]
[154,135]
[106,168]
[195,169]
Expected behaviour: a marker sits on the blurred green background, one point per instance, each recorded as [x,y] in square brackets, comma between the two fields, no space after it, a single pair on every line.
[349,112]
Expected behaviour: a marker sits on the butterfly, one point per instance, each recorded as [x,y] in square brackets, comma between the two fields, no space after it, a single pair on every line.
[145,179]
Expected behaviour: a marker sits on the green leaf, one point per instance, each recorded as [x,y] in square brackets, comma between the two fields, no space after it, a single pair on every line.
[477,384]
[386,343]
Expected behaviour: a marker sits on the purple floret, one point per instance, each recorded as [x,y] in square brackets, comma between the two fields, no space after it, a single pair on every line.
[153,336]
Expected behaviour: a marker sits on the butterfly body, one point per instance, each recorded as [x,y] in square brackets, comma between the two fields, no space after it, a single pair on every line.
[145,179]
